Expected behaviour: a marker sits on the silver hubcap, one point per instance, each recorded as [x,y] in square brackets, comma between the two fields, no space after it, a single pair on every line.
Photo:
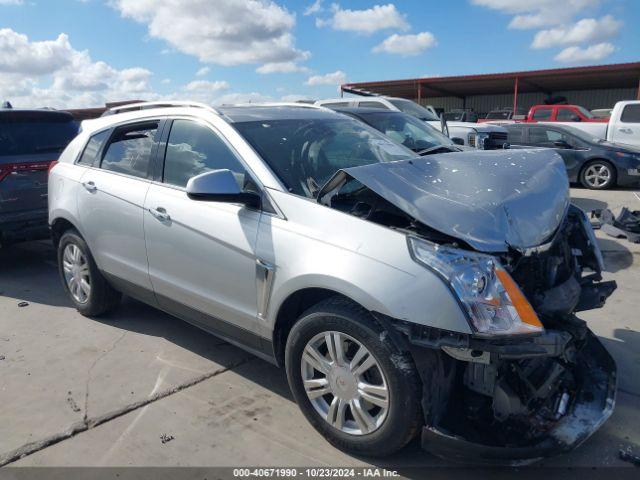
[597,175]
[344,383]
[76,273]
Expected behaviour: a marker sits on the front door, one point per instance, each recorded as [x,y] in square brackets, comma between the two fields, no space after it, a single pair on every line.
[202,260]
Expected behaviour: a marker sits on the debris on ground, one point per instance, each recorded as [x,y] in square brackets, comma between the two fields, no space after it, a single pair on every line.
[2,357]
[625,225]
[164,438]
[628,456]
[72,403]
[23,304]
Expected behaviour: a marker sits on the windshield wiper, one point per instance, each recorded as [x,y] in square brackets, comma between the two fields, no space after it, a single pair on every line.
[435,149]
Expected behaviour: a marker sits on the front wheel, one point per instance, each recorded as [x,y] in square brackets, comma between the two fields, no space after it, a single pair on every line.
[353,385]
[598,175]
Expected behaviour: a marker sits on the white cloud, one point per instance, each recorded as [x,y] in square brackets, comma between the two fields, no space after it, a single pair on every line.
[587,30]
[11,2]
[336,78]
[378,17]
[229,32]
[584,55]
[52,73]
[406,45]
[281,67]
[203,71]
[165,81]
[538,13]
[315,7]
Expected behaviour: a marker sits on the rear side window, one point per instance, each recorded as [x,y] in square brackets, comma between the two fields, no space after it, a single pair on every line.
[631,114]
[193,149]
[35,133]
[372,105]
[129,150]
[90,153]
[542,114]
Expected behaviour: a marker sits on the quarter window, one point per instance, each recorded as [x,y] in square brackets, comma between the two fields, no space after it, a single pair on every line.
[93,147]
[129,150]
[193,149]
[631,114]
[542,114]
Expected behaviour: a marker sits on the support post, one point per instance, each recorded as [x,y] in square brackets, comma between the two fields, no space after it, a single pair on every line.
[515,97]
[419,93]
[638,95]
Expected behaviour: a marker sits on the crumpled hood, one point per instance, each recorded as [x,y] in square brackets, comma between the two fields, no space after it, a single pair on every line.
[489,199]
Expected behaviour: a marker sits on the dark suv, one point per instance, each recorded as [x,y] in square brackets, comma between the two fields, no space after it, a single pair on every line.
[30,141]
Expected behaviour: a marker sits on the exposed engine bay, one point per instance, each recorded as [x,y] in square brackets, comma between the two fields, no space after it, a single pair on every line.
[513,399]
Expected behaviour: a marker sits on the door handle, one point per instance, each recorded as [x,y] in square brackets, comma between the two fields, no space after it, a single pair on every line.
[160,213]
[90,186]
[625,130]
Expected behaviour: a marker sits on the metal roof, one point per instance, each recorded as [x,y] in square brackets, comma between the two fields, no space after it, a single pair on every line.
[622,75]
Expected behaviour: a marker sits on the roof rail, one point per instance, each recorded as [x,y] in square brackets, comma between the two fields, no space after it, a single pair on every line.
[358,91]
[274,104]
[132,107]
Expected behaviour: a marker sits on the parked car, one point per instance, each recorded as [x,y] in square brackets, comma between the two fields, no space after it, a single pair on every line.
[400,293]
[461,115]
[561,113]
[30,142]
[405,129]
[462,133]
[595,163]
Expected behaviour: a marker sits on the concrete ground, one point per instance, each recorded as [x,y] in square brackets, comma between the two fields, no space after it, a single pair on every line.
[139,387]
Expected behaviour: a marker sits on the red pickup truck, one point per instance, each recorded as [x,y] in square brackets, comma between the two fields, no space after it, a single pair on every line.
[561,113]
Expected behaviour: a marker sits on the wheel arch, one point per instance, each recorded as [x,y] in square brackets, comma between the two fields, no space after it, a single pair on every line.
[60,225]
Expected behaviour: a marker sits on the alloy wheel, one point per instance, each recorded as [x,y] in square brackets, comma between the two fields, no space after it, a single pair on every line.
[344,383]
[76,273]
[597,175]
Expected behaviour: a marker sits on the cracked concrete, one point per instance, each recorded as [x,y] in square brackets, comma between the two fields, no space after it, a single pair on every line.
[78,391]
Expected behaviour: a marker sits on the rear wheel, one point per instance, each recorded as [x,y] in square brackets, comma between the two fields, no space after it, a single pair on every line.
[89,291]
[353,385]
[598,175]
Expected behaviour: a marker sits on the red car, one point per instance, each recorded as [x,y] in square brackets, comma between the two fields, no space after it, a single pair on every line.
[561,113]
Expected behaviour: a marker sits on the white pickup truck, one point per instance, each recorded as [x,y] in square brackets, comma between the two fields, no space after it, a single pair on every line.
[623,126]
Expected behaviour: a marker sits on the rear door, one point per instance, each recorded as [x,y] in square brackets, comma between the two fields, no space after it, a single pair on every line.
[111,201]
[29,142]
[627,128]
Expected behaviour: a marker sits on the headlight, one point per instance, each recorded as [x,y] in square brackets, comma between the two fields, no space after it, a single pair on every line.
[493,301]
[482,139]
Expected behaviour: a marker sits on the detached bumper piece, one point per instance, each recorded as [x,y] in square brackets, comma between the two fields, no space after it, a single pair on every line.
[625,225]
[516,407]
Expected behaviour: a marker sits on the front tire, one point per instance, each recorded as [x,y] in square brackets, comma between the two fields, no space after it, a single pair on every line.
[598,175]
[87,288]
[351,382]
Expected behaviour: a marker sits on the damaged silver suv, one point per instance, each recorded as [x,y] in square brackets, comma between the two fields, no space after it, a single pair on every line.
[402,294]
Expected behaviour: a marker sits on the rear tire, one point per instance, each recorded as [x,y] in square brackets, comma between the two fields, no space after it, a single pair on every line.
[598,175]
[388,391]
[87,288]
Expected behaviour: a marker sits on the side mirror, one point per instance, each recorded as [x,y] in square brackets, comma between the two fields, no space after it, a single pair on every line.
[220,186]
[457,141]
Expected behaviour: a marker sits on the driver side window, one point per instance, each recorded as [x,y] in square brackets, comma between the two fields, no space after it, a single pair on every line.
[192,149]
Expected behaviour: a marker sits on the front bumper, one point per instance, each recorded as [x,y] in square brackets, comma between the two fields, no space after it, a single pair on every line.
[588,407]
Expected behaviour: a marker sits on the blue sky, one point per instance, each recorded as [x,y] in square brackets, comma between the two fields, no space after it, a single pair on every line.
[73,53]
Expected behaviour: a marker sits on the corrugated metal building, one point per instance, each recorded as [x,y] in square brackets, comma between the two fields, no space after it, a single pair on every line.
[599,86]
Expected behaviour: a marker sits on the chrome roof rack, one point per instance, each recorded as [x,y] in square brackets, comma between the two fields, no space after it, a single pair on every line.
[132,107]
[274,104]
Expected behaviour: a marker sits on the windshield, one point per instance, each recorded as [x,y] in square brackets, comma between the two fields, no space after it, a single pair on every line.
[305,153]
[31,137]
[498,115]
[407,130]
[586,112]
[412,108]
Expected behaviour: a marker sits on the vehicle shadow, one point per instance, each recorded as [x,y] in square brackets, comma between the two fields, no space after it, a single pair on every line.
[615,254]
[29,273]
